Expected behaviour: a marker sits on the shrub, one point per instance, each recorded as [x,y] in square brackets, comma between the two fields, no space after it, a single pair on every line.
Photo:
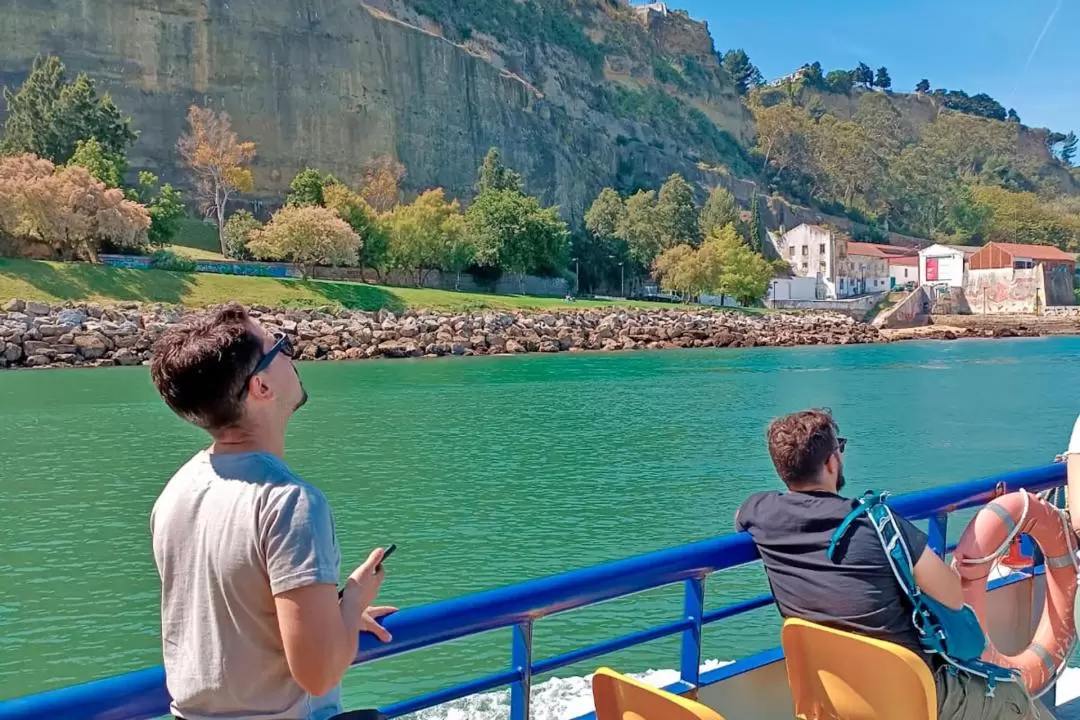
[238,233]
[168,260]
[307,236]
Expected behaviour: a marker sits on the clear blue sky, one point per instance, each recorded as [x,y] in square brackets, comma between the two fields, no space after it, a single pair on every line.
[971,45]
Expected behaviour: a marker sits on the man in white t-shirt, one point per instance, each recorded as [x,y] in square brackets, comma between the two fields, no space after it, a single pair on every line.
[252,624]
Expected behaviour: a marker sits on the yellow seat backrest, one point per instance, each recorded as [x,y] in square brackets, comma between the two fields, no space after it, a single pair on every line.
[836,675]
[618,697]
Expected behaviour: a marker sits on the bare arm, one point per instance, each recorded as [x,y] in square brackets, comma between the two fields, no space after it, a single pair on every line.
[319,635]
[938,580]
[1072,490]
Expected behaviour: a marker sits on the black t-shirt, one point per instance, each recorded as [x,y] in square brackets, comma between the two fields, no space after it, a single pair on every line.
[857,593]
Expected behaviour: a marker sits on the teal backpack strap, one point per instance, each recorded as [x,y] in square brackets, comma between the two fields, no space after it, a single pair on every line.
[869,499]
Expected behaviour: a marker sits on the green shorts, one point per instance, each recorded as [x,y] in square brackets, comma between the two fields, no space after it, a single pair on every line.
[963,697]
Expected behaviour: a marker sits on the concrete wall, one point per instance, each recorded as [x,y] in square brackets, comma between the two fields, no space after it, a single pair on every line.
[506,285]
[856,307]
[909,312]
[1058,284]
[1003,290]
[796,288]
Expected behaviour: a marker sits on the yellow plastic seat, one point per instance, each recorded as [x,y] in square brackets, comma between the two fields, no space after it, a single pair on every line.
[618,697]
[836,675]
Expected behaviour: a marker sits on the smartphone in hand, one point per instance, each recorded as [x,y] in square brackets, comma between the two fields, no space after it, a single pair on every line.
[387,553]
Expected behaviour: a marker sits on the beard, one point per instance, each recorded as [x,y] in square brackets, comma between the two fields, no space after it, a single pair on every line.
[840,480]
[303,399]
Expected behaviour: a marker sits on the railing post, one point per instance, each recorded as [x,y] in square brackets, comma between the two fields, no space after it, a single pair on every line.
[937,533]
[521,660]
[693,610]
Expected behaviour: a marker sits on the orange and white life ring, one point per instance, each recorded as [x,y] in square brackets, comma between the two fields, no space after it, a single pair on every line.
[986,538]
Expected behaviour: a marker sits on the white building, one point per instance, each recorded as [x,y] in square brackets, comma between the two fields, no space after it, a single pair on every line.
[794,288]
[944,264]
[814,252]
[902,270]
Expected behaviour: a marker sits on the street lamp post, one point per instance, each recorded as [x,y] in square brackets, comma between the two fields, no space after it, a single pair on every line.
[577,276]
[622,280]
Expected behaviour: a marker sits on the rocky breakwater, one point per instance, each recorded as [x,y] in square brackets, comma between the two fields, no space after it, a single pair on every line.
[37,335]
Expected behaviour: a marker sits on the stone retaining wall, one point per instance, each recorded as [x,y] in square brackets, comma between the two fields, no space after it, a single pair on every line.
[34,334]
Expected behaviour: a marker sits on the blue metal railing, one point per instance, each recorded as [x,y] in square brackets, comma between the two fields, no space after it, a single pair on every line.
[141,695]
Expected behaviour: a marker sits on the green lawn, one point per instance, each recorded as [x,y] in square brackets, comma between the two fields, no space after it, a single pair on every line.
[55,282]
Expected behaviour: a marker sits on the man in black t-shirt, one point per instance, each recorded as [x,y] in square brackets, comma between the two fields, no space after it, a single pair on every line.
[858,592]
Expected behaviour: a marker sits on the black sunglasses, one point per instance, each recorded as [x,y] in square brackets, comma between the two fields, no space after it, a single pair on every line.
[282,345]
[841,443]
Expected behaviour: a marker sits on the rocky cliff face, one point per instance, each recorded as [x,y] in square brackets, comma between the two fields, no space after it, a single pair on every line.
[330,83]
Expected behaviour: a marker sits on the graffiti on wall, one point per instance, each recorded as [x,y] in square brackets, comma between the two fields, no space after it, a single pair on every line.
[1004,290]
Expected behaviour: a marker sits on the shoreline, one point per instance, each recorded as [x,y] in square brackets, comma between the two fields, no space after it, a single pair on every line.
[37,335]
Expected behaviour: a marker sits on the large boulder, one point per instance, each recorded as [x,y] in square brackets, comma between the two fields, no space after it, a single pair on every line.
[37,309]
[91,346]
[14,305]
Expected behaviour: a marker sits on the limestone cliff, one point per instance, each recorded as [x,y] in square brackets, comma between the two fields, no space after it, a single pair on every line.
[331,83]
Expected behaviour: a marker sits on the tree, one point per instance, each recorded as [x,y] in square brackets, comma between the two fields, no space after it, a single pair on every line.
[48,116]
[67,209]
[166,208]
[864,75]
[882,79]
[606,214]
[840,81]
[720,209]
[812,76]
[679,269]
[240,229]
[741,71]
[381,182]
[745,275]
[493,175]
[641,228]
[923,87]
[217,161]
[429,234]
[514,233]
[677,215]
[1012,116]
[307,236]
[308,188]
[109,169]
[362,218]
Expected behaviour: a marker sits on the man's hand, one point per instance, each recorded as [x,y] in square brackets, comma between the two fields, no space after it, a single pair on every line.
[369,621]
[366,580]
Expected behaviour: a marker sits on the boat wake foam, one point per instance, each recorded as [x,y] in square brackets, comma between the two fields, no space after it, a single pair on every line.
[554,699]
[571,697]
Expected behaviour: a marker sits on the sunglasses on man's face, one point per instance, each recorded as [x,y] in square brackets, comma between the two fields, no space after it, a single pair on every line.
[281,345]
[841,443]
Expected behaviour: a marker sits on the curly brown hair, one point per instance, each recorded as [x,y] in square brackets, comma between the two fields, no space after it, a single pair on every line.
[801,443]
[200,366]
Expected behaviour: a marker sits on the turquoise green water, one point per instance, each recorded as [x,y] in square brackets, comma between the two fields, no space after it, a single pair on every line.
[489,471]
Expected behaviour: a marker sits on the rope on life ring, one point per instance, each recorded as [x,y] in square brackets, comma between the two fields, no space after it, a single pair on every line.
[996,526]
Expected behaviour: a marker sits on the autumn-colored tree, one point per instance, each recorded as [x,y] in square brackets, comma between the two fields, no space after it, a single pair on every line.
[218,162]
[68,209]
[678,269]
[381,183]
[307,236]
